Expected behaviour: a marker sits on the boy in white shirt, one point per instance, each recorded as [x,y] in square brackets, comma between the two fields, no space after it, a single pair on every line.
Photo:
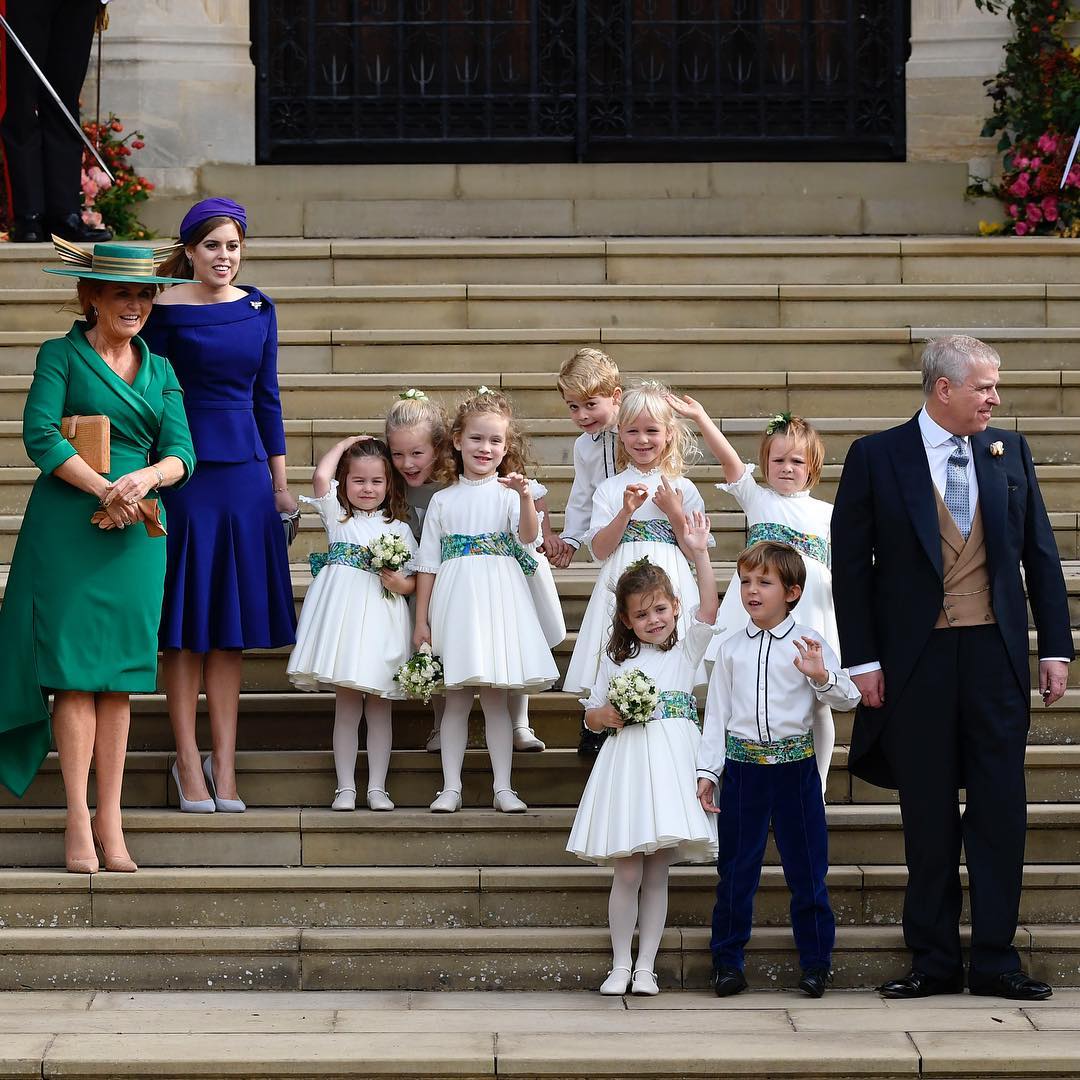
[758,719]
[589,384]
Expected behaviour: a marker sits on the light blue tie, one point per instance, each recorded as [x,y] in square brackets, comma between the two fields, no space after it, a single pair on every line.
[957,492]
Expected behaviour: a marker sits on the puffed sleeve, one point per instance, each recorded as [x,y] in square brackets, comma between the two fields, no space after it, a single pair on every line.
[749,494]
[44,409]
[174,435]
[712,750]
[537,490]
[326,506]
[265,393]
[693,502]
[604,509]
[698,636]
[429,556]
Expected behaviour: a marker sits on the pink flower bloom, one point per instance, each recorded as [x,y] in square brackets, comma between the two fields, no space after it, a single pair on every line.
[1020,229]
[1047,144]
[100,177]
[92,217]
[1034,214]
[1014,210]
[1050,208]
[1022,163]
[1074,176]
[1021,188]
[1036,163]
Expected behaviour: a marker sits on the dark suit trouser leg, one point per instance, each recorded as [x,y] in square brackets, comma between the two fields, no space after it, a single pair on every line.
[803,842]
[745,810]
[994,719]
[44,153]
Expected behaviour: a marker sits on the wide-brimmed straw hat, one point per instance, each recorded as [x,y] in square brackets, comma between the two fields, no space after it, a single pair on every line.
[113,262]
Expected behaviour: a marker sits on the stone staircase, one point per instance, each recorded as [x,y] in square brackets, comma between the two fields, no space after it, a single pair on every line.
[292,896]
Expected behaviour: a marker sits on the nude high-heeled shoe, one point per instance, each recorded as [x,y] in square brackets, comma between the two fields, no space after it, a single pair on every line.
[117,864]
[80,866]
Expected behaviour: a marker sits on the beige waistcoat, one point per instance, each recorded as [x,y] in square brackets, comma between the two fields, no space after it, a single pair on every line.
[966,576]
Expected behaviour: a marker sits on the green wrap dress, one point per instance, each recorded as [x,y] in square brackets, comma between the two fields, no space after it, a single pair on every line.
[82,604]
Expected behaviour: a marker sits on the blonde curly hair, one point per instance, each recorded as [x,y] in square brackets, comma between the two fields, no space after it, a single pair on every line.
[651,397]
[490,403]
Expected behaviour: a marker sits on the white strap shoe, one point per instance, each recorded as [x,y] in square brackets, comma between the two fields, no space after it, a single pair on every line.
[344,799]
[379,800]
[446,802]
[507,802]
[525,739]
[644,983]
[616,983]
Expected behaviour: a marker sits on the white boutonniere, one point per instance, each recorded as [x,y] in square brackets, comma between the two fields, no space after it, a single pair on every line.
[997,449]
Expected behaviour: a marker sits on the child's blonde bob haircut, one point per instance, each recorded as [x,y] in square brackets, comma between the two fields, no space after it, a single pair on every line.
[414,409]
[587,374]
[651,398]
[802,433]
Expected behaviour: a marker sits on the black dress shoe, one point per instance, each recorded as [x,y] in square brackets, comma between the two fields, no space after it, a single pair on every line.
[917,984]
[72,227]
[728,981]
[815,981]
[28,229]
[590,743]
[1013,984]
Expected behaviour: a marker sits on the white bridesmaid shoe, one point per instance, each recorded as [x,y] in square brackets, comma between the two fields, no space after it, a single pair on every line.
[507,802]
[446,802]
[344,799]
[379,800]
[225,806]
[191,806]
[525,739]
[644,984]
[617,982]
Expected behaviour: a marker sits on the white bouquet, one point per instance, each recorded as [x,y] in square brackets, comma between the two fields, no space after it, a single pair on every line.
[421,675]
[634,696]
[388,552]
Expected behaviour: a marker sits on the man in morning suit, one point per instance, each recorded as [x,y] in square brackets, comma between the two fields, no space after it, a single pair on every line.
[933,521]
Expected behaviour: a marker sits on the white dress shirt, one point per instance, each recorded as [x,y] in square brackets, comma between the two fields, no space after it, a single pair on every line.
[594,462]
[757,693]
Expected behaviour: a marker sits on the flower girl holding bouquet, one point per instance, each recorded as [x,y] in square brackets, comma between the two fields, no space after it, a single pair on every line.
[355,630]
[639,811]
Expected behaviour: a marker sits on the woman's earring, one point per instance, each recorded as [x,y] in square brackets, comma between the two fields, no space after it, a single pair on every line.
[93,311]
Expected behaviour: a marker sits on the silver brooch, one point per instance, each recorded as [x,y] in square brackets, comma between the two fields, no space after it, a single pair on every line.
[256,304]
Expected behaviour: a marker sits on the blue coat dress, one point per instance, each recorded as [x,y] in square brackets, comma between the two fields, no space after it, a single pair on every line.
[227,581]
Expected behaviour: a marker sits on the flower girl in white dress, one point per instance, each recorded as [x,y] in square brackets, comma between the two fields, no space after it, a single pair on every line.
[473,603]
[639,810]
[354,630]
[791,456]
[638,513]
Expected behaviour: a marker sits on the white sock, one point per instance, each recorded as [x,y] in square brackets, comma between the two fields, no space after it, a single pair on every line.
[379,741]
[454,736]
[623,908]
[437,706]
[519,710]
[652,909]
[348,711]
[499,734]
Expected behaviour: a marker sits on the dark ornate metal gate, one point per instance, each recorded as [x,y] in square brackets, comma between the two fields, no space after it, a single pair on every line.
[562,80]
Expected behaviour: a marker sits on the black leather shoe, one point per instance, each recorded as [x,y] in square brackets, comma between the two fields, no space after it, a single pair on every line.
[590,743]
[917,984]
[728,981]
[72,227]
[815,981]
[28,229]
[1013,984]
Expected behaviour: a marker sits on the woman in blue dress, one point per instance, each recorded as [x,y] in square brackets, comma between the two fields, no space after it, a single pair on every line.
[227,585]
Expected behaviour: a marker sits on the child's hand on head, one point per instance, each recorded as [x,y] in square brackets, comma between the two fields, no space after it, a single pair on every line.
[809,661]
[687,406]
[634,497]
[697,529]
[669,500]
[516,482]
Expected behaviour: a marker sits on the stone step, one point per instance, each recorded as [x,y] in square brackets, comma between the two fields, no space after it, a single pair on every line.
[299,721]
[858,834]
[451,897]
[502,306]
[554,778]
[466,958]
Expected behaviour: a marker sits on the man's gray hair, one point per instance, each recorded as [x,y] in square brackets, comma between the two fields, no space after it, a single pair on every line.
[952,357]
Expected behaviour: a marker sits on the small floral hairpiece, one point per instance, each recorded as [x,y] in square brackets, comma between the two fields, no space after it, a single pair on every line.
[997,449]
[413,394]
[639,564]
[484,390]
[779,422]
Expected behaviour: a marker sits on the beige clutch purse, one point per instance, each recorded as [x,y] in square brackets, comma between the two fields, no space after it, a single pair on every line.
[90,437]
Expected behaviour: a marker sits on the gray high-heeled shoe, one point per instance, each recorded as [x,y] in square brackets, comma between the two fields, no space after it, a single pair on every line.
[190,806]
[226,806]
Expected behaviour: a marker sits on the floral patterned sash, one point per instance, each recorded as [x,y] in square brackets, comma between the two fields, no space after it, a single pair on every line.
[781,752]
[654,531]
[678,703]
[816,547]
[342,554]
[458,545]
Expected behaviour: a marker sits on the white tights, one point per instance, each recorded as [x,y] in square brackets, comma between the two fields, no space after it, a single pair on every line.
[349,709]
[649,875]
[497,729]
[518,704]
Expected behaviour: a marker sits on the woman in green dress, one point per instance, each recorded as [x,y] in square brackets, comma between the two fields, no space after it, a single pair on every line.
[80,613]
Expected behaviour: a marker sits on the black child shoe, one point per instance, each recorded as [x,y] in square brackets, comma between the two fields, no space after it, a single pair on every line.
[1014,985]
[815,981]
[728,981]
[591,742]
